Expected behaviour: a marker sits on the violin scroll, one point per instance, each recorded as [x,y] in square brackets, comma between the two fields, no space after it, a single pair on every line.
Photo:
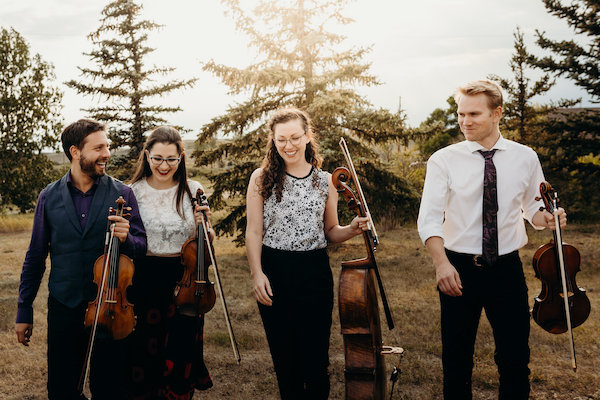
[546,191]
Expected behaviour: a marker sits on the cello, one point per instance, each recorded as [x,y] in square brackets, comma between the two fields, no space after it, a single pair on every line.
[561,304]
[194,293]
[358,303]
[111,310]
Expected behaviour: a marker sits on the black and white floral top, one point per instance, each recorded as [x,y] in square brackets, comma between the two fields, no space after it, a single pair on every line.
[296,223]
[165,229]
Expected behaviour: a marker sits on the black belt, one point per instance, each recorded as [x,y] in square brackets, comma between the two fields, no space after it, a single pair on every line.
[477,259]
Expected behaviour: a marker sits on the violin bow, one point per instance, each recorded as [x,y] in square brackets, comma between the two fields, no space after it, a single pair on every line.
[361,195]
[563,277]
[371,233]
[234,345]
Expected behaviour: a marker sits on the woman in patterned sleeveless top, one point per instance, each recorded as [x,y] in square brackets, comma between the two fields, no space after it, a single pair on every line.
[167,347]
[291,215]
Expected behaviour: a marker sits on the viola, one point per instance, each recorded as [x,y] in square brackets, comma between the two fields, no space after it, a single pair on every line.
[561,304]
[358,303]
[110,310]
[194,293]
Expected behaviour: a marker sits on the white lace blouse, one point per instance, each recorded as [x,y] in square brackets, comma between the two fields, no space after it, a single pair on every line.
[297,222]
[165,229]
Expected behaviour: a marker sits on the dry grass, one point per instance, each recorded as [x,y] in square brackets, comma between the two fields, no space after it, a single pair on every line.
[409,280]
[16,223]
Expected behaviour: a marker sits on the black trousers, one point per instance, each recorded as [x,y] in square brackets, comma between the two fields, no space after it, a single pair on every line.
[67,344]
[298,323]
[502,292]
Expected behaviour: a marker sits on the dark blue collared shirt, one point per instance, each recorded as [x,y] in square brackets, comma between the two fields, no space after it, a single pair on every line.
[34,265]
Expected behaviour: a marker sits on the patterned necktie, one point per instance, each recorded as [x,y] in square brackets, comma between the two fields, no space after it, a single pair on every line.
[489,244]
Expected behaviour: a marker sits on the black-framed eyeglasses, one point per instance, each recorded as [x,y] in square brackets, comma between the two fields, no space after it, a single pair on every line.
[156,160]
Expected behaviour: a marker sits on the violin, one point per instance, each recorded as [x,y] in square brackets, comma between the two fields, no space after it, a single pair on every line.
[110,310]
[561,304]
[358,303]
[194,293]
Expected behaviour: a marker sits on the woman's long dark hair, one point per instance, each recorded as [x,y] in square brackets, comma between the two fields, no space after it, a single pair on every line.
[273,173]
[167,135]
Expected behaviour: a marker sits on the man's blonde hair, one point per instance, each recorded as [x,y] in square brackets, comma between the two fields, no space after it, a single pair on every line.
[490,89]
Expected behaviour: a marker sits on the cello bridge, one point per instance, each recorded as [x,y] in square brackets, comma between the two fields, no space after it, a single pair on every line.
[391,350]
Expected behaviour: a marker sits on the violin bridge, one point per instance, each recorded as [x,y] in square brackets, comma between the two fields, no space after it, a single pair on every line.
[569,294]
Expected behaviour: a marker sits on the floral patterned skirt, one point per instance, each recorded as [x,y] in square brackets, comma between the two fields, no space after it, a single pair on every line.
[167,359]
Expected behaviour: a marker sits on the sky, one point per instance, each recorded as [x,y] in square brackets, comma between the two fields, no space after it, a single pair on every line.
[421,51]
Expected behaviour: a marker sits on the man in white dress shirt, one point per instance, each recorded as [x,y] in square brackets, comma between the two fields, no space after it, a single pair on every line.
[473,235]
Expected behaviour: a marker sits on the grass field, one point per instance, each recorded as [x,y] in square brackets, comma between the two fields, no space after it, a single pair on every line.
[409,279]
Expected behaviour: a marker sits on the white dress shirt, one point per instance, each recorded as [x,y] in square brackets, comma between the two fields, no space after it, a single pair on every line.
[452,201]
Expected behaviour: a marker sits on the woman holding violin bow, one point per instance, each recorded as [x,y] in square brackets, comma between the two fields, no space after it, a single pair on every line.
[167,344]
[292,214]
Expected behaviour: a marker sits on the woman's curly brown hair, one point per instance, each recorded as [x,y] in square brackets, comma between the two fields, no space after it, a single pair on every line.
[273,166]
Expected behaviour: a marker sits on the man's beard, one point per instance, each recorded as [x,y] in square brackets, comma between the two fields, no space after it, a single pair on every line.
[89,167]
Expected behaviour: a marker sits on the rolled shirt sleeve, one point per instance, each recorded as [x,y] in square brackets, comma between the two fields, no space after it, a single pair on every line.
[433,202]
[529,203]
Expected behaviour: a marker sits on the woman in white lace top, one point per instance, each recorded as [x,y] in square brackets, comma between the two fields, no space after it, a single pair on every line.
[162,369]
[291,215]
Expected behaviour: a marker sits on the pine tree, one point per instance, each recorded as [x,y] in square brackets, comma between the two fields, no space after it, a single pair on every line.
[580,63]
[121,77]
[568,140]
[30,121]
[439,129]
[568,145]
[301,67]
[518,112]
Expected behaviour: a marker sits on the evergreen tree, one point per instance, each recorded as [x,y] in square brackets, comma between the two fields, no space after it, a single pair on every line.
[518,112]
[301,67]
[568,138]
[580,63]
[121,77]
[568,144]
[439,129]
[29,121]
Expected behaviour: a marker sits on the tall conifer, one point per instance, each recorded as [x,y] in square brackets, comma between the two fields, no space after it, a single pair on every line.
[302,65]
[578,62]
[122,79]
[519,112]
[569,140]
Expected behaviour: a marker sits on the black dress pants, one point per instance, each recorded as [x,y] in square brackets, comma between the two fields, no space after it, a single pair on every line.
[298,323]
[502,292]
[67,344]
